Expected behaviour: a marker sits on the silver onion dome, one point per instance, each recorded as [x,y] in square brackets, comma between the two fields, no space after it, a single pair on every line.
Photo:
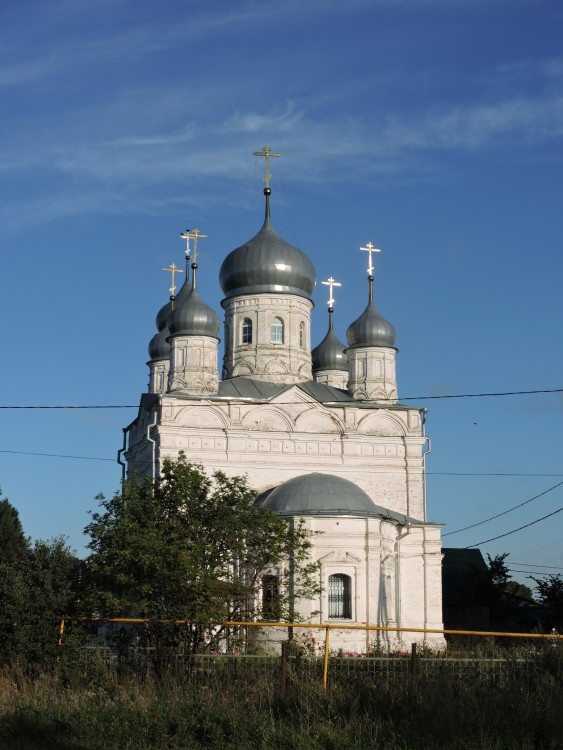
[164,313]
[267,264]
[159,348]
[329,354]
[370,329]
[193,318]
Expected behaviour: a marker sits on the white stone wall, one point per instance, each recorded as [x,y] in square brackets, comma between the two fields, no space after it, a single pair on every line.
[334,378]
[379,449]
[393,584]
[372,373]
[287,362]
[193,364]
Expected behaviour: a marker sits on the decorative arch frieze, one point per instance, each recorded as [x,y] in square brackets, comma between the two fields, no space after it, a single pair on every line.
[267,419]
[382,423]
[203,417]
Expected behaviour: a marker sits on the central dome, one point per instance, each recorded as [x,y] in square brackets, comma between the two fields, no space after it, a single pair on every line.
[267,264]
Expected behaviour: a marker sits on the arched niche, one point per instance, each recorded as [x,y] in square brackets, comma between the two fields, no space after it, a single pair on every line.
[203,417]
[318,422]
[267,419]
[382,423]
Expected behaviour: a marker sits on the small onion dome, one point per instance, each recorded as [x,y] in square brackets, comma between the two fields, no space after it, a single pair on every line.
[329,354]
[164,313]
[371,329]
[318,494]
[267,264]
[193,318]
[159,348]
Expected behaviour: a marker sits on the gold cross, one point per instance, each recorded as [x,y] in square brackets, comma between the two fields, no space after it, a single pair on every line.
[331,283]
[192,234]
[266,153]
[173,269]
[369,248]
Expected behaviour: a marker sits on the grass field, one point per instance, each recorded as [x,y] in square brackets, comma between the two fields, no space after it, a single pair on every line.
[115,706]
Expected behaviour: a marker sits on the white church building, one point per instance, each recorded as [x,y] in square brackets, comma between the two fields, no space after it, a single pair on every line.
[319,432]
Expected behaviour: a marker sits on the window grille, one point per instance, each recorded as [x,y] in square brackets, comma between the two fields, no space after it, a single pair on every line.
[340,596]
[276,331]
[302,335]
[247,331]
[270,598]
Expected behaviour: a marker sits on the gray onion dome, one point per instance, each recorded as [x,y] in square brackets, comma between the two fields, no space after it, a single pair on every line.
[318,494]
[193,318]
[164,312]
[267,264]
[329,354]
[370,329]
[159,348]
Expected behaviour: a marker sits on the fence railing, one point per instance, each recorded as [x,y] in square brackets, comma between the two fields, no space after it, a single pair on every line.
[464,651]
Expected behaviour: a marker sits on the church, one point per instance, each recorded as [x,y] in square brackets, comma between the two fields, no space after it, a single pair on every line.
[319,431]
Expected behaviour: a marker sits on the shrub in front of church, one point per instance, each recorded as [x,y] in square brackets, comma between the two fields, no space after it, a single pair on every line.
[192,547]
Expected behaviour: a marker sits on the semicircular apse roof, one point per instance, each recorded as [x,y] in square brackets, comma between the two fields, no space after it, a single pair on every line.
[322,494]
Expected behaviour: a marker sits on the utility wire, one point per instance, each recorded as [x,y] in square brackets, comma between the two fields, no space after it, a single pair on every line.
[533,565]
[508,533]
[58,455]
[282,403]
[492,518]
[531,572]
[399,471]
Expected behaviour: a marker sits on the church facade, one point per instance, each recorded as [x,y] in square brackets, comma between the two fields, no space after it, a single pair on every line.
[319,432]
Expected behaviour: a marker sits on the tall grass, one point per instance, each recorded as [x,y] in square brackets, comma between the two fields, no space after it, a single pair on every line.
[114,706]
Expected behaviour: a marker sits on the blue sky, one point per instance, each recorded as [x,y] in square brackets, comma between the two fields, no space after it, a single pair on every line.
[433,128]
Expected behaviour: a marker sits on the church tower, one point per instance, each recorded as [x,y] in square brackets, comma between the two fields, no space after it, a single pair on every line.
[267,285]
[193,327]
[330,365]
[371,354]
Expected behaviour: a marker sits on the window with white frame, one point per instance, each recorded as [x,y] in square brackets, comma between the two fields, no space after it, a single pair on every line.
[276,331]
[340,596]
[247,331]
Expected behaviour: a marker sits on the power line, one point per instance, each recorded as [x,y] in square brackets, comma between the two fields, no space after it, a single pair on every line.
[492,518]
[533,565]
[508,533]
[58,455]
[400,471]
[531,572]
[285,403]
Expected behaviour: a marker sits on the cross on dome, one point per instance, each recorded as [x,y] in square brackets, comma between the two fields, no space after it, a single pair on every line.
[330,282]
[266,153]
[173,269]
[370,248]
[192,234]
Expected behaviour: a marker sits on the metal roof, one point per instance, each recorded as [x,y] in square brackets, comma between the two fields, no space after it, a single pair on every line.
[267,264]
[324,495]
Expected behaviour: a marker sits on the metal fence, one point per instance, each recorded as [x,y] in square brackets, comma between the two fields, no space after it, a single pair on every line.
[490,657]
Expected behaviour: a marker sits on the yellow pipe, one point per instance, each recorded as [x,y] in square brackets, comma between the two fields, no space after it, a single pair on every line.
[319,626]
[325,667]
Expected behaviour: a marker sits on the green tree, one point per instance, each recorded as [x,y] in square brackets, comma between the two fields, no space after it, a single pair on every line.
[550,594]
[13,542]
[194,548]
[36,590]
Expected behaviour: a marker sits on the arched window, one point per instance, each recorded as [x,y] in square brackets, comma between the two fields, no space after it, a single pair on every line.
[271,598]
[276,331]
[247,331]
[302,335]
[340,596]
